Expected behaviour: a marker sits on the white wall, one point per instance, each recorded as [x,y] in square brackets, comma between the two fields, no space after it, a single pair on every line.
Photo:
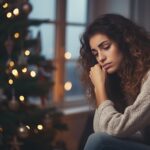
[141,11]
[98,7]
[137,10]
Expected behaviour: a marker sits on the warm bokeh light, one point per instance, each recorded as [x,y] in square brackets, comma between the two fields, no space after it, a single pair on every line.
[33,74]
[68,86]
[21,98]
[27,52]
[67,55]
[22,129]
[15,72]
[5,5]
[24,70]
[11,63]
[16,11]
[40,127]
[28,127]
[16,35]
[10,81]
[9,15]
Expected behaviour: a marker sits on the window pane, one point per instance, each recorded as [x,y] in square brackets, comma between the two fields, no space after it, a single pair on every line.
[76,11]
[73,34]
[72,75]
[47,39]
[43,9]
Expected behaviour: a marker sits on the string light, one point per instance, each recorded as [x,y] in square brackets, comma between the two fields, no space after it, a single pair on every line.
[9,15]
[67,55]
[24,70]
[33,74]
[5,5]
[28,127]
[68,86]
[40,127]
[27,52]
[22,129]
[15,72]
[21,98]
[16,11]
[16,35]
[11,63]
[10,81]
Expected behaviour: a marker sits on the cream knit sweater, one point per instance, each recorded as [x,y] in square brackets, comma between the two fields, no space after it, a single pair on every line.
[135,118]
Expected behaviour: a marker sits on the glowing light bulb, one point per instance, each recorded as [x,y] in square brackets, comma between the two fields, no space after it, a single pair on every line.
[5,5]
[21,98]
[15,72]
[9,15]
[21,129]
[28,127]
[33,74]
[24,70]
[11,63]
[67,55]
[16,35]
[16,11]
[40,127]
[10,81]
[27,52]
[68,86]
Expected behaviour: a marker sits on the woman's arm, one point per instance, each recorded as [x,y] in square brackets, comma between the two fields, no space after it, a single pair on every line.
[135,117]
[98,77]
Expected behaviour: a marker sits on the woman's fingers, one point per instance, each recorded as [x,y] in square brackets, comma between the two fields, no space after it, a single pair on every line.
[97,75]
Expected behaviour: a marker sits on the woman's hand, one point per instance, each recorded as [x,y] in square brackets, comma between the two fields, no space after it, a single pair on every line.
[98,77]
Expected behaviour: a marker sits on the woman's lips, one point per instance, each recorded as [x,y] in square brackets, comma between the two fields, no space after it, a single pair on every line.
[107,66]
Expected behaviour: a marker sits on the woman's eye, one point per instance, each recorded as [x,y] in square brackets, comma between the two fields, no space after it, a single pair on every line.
[106,47]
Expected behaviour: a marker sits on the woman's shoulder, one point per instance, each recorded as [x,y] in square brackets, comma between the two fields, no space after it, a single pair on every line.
[146,77]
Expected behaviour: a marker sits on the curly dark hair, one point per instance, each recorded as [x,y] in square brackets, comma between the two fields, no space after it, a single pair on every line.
[134,43]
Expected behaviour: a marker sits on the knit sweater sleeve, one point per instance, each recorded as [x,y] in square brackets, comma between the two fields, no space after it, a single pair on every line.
[135,117]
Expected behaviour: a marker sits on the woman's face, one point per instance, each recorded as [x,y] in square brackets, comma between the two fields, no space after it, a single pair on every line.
[106,52]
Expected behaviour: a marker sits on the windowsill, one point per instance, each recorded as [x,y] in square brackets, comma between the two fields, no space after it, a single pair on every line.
[75,110]
[75,107]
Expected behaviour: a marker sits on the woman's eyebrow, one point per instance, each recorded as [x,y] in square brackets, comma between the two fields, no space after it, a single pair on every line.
[101,44]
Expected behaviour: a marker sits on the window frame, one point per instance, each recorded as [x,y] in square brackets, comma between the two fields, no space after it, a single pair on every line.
[59,74]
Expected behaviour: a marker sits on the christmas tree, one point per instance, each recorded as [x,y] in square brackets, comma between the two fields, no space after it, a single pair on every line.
[26,78]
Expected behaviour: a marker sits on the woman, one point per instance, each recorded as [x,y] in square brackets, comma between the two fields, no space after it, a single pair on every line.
[115,56]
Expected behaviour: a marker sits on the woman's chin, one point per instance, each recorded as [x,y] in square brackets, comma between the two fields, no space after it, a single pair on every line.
[111,70]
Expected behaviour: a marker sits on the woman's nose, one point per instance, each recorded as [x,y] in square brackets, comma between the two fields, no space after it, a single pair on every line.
[101,57]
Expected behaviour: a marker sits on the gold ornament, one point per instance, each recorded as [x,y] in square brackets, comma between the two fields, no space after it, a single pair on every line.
[26,7]
[23,131]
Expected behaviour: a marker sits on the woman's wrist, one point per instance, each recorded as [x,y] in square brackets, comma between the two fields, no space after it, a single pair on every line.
[101,95]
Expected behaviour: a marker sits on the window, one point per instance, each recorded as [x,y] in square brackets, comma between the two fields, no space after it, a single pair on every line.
[45,10]
[62,37]
[71,69]
[76,11]
[75,25]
